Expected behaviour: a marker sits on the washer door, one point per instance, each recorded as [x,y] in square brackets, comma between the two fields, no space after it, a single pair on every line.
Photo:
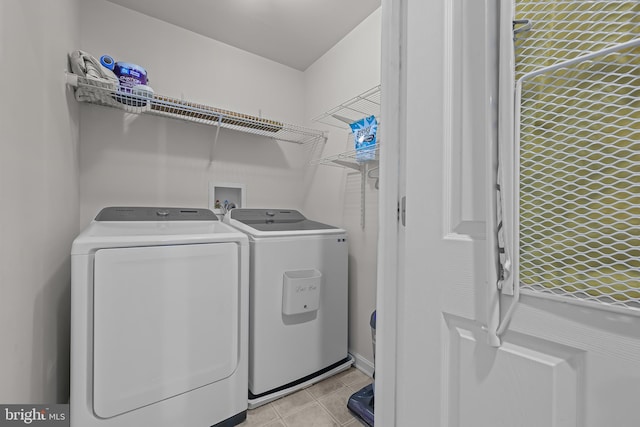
[166,321]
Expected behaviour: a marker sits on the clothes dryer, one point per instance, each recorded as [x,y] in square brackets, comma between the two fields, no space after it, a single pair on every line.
[298,299]
[159,316]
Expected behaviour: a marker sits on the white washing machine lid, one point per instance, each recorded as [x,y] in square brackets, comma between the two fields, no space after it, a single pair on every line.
[277,223]
[150,226]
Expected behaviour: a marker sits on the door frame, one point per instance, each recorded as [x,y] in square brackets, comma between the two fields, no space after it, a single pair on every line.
[390,260]
[391,266]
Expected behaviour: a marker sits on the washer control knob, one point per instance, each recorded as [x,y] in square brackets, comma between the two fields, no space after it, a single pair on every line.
[162,213]
[270,213]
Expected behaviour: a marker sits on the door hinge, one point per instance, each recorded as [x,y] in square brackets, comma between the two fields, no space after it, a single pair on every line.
[402,210]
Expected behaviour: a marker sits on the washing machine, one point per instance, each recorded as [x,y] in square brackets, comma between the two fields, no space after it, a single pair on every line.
[298,301]
[159,320]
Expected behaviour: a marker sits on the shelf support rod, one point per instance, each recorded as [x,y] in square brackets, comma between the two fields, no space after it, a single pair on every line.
[363,188]
[342,119]
[215,140]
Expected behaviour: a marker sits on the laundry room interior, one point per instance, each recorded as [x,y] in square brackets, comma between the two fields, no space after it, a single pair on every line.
[62,161]
[194,233]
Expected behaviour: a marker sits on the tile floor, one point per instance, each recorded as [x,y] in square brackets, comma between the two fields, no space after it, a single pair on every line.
[322,405]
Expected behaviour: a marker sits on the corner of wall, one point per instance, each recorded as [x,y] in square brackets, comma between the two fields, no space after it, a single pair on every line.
[332,194]
[39,205]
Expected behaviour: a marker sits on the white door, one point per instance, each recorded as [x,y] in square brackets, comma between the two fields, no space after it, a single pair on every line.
[438,361]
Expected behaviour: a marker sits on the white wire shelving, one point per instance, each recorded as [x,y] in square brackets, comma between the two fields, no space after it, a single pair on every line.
[364,105]
[350,159]
[100,93]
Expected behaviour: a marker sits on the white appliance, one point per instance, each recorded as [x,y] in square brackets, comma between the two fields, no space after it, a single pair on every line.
[159,316]
[298,301]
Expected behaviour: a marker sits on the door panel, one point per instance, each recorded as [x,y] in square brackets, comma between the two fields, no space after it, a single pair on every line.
[465,101]
[537,382]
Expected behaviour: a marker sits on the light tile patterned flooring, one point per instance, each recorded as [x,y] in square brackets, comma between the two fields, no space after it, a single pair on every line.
[322,405]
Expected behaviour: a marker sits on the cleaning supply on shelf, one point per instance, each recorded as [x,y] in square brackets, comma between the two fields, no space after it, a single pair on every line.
[364,134]
[133,80]
[129,74]
[110,82]
[107,62]
[85,65]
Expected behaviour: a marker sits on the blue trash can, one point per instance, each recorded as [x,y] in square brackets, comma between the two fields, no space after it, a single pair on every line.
[361,403]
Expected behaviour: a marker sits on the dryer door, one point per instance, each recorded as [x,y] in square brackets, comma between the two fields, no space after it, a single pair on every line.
[166,321]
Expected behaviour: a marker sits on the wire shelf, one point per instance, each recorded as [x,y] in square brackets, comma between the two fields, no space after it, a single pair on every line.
[351,159]
[103,93]
[364,105]
[364,161]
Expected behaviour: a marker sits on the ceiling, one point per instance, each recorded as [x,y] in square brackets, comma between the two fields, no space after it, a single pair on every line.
[292,32]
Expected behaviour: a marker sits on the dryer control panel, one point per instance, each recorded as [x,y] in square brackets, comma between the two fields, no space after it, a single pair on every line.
[276,220]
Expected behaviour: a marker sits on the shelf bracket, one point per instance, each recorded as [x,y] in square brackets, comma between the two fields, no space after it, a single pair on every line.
[71,79]
[342,119]
[215,141]
[349,165]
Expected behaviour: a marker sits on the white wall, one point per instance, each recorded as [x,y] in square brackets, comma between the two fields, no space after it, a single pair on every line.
[350,68]
[38,198]
[146,160]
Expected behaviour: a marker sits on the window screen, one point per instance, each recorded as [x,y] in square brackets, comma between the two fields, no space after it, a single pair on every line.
[579,151]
